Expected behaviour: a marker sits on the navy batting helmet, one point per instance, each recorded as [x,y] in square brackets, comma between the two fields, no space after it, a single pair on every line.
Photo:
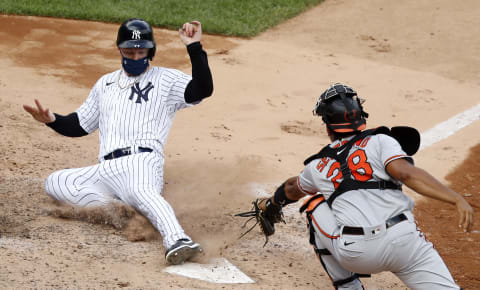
[341,109]
[136,33]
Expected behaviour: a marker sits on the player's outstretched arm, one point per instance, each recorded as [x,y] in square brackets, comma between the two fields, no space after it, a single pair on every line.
[65,125]
[39,113]
[425,184]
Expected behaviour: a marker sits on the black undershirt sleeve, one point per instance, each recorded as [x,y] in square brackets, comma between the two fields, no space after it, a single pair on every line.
[67,125]
[201,85]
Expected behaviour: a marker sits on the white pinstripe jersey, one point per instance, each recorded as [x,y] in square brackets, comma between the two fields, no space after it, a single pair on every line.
[138,115]
[367,160]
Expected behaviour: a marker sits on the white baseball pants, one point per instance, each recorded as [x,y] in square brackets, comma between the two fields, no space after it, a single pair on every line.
[135,179]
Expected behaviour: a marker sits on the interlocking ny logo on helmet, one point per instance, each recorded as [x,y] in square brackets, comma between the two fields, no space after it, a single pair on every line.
[136,33]
[341,109]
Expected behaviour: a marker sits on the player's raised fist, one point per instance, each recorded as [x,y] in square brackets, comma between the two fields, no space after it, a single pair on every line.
[190,32]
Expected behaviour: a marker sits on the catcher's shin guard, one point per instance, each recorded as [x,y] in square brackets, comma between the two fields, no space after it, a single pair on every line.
[341,278]
[323,229]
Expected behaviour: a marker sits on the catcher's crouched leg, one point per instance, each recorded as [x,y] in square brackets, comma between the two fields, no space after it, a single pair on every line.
[323,228]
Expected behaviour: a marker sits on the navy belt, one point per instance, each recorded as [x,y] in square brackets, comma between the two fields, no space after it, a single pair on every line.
[389,223]
[124,152]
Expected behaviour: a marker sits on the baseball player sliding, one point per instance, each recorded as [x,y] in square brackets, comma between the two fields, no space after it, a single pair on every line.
[360,221]
[133,109]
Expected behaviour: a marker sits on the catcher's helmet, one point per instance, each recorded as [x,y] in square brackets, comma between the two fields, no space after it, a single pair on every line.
[341,109]
[136,33]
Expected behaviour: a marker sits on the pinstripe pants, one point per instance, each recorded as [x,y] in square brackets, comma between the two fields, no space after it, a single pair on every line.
[135,179]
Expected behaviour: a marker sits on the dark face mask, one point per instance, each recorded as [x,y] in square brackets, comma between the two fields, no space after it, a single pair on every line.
[134,67]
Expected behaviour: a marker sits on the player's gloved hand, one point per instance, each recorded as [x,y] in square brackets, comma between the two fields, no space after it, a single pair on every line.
[266,213]
[273,213]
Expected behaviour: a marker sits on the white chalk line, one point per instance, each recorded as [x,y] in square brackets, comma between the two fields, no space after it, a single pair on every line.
[449,127]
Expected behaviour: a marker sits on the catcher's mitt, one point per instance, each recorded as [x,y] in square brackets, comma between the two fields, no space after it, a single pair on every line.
[266,213]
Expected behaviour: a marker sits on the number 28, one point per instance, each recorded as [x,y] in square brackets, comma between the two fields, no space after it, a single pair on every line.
[358,164]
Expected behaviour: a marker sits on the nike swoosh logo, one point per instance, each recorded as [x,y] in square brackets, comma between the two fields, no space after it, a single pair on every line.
[109,83]
[340,152]
[348,244]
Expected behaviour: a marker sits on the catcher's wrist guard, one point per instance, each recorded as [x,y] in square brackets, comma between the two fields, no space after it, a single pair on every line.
[280,196]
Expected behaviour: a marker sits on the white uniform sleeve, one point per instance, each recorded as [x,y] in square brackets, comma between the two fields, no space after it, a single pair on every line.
[88,113]
[390,149]
[176,95]
[305,180]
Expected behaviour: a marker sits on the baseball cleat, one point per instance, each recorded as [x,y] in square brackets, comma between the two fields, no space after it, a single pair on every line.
[181,251]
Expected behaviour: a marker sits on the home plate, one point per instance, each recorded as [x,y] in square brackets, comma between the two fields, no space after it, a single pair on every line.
[219,270]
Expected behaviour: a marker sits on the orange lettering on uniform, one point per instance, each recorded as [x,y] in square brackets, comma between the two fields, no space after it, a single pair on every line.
[331,171]
[320,165]
[364,142]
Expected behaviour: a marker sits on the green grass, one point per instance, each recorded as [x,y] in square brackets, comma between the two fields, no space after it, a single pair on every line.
[227,17]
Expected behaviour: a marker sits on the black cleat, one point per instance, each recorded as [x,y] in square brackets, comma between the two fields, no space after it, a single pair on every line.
[182,250]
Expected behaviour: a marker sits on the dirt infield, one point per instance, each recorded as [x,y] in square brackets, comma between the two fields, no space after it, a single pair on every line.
[416,64]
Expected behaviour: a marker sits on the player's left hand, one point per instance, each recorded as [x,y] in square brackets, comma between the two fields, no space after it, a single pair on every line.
[191,32]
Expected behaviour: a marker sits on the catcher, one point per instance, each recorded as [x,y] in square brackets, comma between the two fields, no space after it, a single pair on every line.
[359,219]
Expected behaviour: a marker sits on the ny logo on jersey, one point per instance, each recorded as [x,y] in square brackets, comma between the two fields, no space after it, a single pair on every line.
[141,93]
[136,34]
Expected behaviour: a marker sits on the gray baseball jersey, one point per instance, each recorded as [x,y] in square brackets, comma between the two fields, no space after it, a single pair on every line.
[374,246]
[364,207]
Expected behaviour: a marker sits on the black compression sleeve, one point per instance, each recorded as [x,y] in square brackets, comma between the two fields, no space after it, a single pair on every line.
[280,196]
[67,125]
[201,85]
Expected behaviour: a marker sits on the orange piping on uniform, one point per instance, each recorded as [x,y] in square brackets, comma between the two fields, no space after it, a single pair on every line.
[324,233]
[396,156]
[303,190]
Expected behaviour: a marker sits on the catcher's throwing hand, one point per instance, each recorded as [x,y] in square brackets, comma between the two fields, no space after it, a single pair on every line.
[465,212]
[191,32]
[266,214]
[39,113]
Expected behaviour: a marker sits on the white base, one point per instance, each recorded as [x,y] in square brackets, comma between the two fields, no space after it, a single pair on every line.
[219,270]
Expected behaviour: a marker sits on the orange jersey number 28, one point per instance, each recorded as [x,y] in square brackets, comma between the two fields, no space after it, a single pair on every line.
[358,164]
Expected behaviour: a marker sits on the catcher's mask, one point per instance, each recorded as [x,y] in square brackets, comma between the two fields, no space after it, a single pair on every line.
[136,33]
[341,109]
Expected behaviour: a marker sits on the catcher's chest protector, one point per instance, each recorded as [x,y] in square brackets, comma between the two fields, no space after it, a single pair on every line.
[340,154]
